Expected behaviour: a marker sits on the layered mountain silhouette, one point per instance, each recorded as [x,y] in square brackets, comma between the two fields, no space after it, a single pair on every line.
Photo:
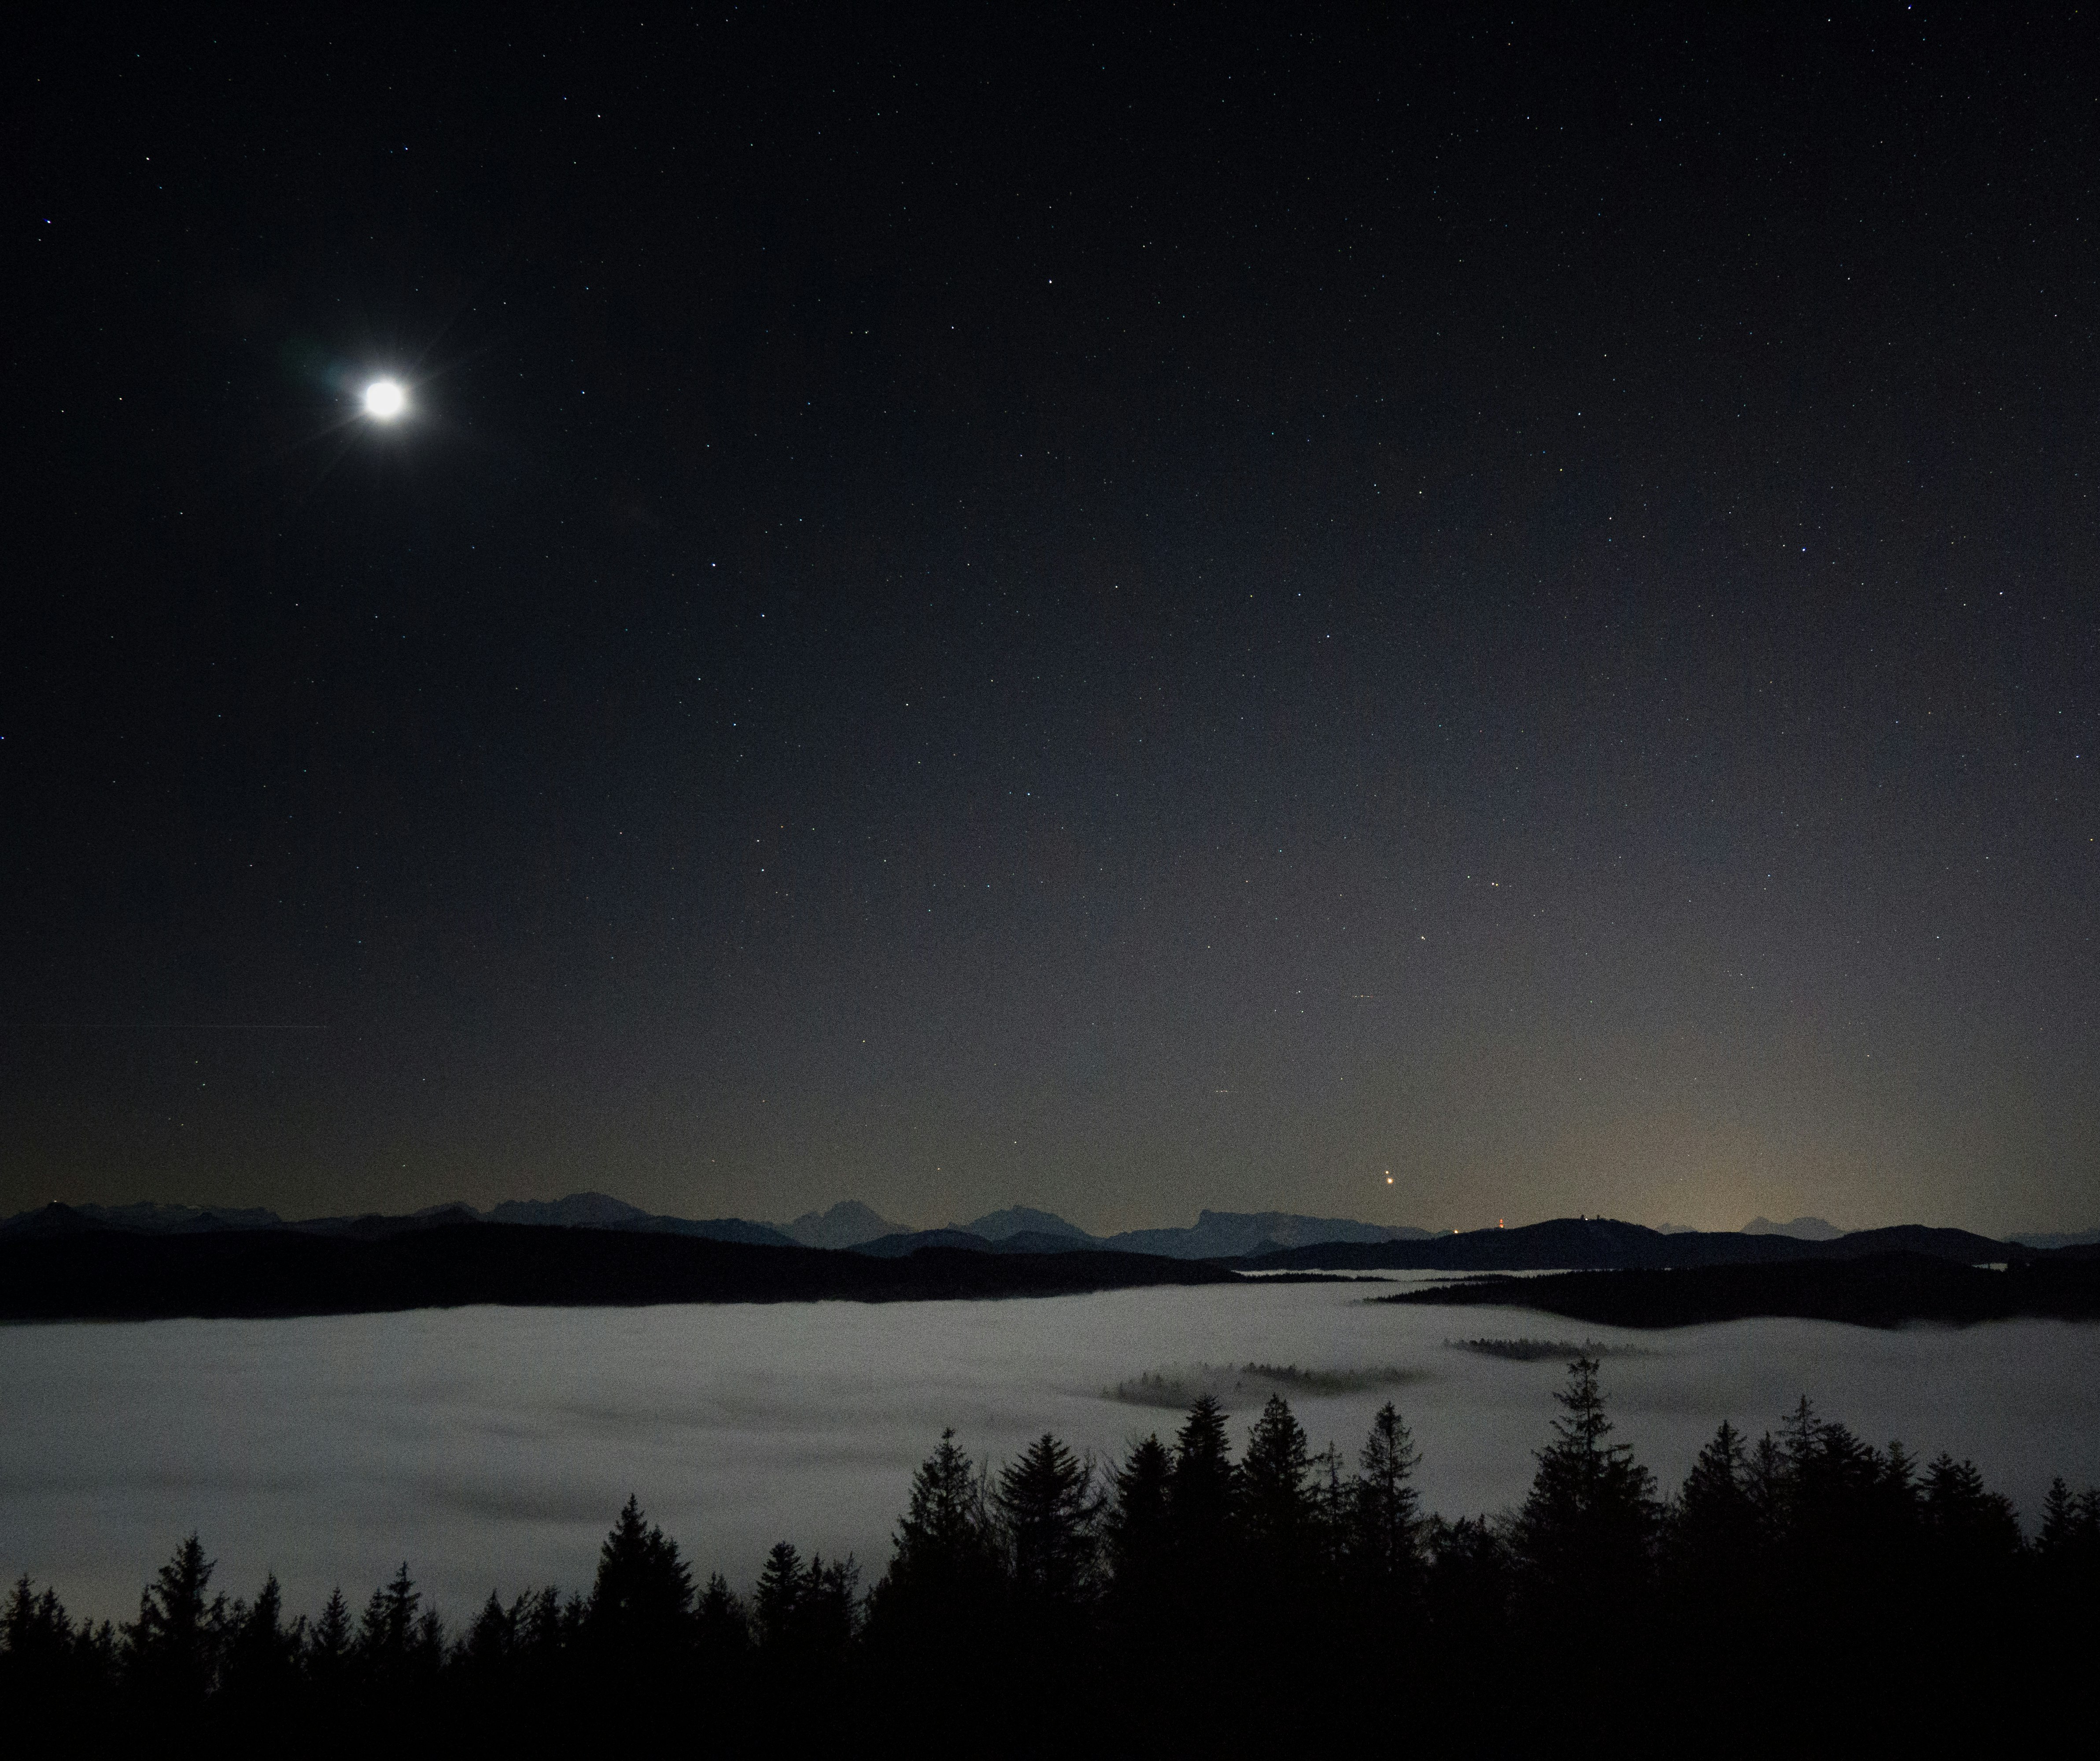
[1215,1236]
[1801,1228]
[1602,1243]
[133,1275]
[1023,1220]
[850,1224]
[2082,1238]
[845,1225]
[1265,1241]
[145,1261]
[1871,1289]
[579,1210]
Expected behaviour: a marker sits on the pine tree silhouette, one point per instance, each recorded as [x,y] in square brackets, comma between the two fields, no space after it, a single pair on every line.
[1382,1540]
[1052,1511]
[1138,1529]
[783,1583]
[261,1666]
[639,1618]
[1275,1505]
[174,1649]
[1581,1539]
[1200,1493]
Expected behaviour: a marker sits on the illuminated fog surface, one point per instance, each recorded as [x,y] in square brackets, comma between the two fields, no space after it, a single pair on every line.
[491,1447]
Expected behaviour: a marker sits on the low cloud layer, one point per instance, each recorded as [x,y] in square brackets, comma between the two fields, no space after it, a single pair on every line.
[491,1447]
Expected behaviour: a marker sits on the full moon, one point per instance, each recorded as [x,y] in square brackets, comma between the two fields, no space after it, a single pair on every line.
[384,399]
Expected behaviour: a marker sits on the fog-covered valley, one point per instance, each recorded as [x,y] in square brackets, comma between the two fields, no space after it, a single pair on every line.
[491,1447]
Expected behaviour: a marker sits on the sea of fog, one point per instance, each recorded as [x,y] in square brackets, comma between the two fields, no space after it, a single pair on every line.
[490,1447]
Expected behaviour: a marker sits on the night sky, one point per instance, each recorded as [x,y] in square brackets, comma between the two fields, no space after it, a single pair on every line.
[1123,613]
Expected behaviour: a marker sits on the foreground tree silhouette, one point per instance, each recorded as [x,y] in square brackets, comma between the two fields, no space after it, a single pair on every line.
[1200,1495]
[1275,1502]
[330,1644]
[782,1583]
[828,1618]
[2069,1527]
[639,1615]
[37,1631]
[1052,1511]
[1382,1544]
[262,1663]
[1927,1583]
[1714,1534]
[2067,1561]
[1976,1548]
[945,1575]
[1138,1530]
[50,1668]
[721,1627]
[400,1645]
[1466,1589]
[1583,1539]
[174,1649]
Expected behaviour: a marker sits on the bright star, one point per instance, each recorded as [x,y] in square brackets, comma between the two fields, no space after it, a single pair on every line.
[384,399]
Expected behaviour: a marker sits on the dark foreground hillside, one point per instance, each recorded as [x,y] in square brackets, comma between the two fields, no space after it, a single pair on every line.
[111,1276]
[1804,1593]
[1882,1290]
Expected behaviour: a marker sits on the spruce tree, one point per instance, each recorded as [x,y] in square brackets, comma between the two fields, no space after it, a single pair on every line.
[783,1583]
[2059,1520]
[35,1630]
[1201,1490]
[387,1632]
[827,1618]
[640,1605]
[1973,1529]
[331,1643]
[484,1653]
[1713,1527]
[37,1650]
[1050,1510]
[1275,1507]
[1139,1526]
[400,1644]
[263,1652]
[1582,1538]
[175,1647]
[945,1551]
[1383,1545]
[722,1625]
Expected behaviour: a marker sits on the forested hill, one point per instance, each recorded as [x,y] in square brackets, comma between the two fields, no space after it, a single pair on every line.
[1872,1290]
[1598,1242]
[116,1276]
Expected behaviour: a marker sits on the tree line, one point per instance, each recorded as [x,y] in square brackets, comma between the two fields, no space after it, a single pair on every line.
[1180,1590]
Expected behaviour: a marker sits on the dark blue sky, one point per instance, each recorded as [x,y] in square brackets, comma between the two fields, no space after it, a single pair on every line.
[1112,614]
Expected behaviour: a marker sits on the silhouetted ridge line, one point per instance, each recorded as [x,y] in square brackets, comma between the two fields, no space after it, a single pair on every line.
[1876,1290]
[107,1276]
[1603,1244]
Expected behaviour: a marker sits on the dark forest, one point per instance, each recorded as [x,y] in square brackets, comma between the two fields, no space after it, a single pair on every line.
[1807,1586]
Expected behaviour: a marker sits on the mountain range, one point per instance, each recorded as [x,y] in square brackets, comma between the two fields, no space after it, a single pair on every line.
[1260,1240]
[851,1225]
